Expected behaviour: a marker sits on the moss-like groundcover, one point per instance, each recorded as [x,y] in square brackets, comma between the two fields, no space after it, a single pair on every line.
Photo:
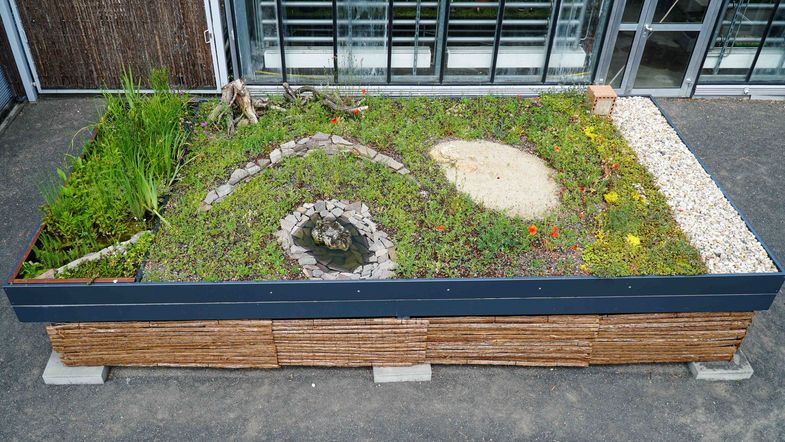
[612,220]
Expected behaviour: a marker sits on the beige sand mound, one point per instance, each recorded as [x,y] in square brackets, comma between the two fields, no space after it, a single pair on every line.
[499,177]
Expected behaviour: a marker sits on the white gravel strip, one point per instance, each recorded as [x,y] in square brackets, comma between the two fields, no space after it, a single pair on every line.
[714,228]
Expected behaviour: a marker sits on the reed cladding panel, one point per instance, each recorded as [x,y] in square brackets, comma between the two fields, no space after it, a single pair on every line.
[86,44]
[561,340]
[669,337]
[351,342]
[218,344]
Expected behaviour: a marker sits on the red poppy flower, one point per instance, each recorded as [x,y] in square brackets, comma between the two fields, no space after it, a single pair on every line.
[440,228]
[362,91]
[532,230]
[356,111]
[574,247]
[557,148]
[333,120]
[615,166]
[554,233]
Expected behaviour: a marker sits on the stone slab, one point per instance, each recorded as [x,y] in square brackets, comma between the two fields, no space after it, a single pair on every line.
[737,369]
[56,373]
[411,373]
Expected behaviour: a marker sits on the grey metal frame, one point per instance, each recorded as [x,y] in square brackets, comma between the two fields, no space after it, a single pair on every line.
[643,29]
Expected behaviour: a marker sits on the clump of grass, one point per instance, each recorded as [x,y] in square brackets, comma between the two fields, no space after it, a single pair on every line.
[115,187]
[439,233]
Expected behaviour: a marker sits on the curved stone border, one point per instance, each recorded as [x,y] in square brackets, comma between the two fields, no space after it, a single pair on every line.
[381,264]
[94,256]
[331,144]
[712,225]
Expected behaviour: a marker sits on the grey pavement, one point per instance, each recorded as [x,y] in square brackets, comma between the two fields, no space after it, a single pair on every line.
[742,142]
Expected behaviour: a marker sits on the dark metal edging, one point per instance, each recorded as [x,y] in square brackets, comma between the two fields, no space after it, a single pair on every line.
[401,298]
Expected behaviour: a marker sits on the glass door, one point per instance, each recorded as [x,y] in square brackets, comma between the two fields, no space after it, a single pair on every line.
[655,47]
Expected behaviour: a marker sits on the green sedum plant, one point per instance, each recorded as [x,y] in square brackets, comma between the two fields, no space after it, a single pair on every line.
[438,231]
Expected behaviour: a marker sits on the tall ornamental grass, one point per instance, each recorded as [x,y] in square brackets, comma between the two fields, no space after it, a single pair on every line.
[116,186]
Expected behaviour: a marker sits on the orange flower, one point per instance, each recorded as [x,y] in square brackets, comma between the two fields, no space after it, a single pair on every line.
[532,230]
[554,233]
[440,227]
[333,120]
[574,247]
[580,214]
[356,111]
[615,166]
[581,189]
[557,148]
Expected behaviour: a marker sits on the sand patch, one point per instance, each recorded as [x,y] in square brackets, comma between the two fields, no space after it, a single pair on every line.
[499,176]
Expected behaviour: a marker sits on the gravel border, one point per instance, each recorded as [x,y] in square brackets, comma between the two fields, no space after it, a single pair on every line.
[712,225]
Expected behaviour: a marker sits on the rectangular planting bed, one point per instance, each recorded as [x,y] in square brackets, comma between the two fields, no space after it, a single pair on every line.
[340,238]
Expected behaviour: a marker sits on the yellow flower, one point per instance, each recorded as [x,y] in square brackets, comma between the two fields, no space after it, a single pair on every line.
[611,197]
[590,133]
[633,240]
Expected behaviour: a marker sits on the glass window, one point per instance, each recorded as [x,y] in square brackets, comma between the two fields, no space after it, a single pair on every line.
[308,41]
[665,59]
[362,41]
[471,31]
[522,41]
[770,66]
[257,41]
[579,30]
[632,11]
[680,11]
[736,41]
[415,30]
[619,58]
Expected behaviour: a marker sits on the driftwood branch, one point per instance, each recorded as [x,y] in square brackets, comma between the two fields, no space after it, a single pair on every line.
[235,96]
[332,101]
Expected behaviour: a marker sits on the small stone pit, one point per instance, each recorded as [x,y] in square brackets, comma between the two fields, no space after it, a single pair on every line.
[369,253]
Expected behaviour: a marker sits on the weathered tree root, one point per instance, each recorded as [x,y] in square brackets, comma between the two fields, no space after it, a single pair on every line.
[332,101]
[235,97]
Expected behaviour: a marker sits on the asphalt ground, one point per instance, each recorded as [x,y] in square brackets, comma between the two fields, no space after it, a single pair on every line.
[741,142]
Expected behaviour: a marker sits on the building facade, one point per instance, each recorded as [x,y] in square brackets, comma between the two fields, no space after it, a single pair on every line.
[407,47]
[657,47]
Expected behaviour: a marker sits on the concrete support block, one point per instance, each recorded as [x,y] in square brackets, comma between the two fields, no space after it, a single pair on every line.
[56,373]
[737,369]
[411,373]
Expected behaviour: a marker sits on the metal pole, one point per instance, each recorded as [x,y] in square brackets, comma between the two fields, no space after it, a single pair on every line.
[444,30]
[335,41]
[762,41]
[496,39]
[389,39]
[551,37]
[278,12]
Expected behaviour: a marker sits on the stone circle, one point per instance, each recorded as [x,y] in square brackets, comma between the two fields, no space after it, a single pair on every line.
[379,261]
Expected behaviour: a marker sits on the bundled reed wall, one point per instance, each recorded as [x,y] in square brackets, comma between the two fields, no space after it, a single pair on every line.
[558,340]
[219,344]
[86,44]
